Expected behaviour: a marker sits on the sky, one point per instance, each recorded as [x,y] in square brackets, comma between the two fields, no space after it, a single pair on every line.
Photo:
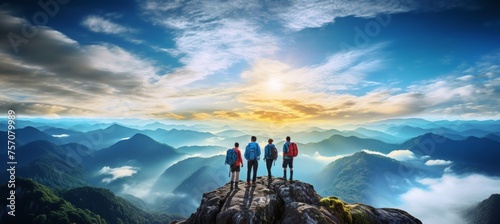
[260,62]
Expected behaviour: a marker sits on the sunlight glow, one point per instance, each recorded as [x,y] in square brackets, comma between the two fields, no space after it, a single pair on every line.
[274,85]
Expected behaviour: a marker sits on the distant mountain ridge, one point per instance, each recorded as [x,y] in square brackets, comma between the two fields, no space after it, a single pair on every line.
[366,178]
[469,155]
[172,177]
[340,145]
[407,132]
[140,148]
[57,166]
[141,154]
[29,134]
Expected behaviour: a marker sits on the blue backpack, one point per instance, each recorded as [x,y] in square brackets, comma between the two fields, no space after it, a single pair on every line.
[251,151]
[230,157]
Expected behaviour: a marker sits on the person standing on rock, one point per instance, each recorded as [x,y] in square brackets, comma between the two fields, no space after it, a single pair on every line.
[235,168]
[269,156]
[287,160]
[252,155]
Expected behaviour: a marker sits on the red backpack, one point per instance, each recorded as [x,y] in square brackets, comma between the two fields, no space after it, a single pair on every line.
[293,150]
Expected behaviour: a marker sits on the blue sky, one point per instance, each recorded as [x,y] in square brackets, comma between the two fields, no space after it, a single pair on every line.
[319,62]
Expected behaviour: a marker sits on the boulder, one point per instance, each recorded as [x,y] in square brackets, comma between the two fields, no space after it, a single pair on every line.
[279,201]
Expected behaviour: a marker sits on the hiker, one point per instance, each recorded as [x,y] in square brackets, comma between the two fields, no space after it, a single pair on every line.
[235,168]
[252,155]
[270,155]
[287,159]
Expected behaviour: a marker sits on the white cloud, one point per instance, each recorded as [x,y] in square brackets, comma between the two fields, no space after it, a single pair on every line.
[119,172]
[346,69]
[374,152]
[60,37]
[101,25]
[217,46]
[114,59]
[443,199]
[466,78]
[104,78]
[437,162]
[402,155]
[310,14]
[301,14]
[470,93]
[211,37]
[60,136]
[324,159]
[141,190]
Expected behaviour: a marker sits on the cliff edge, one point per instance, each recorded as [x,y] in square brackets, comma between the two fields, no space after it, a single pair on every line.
[278,201]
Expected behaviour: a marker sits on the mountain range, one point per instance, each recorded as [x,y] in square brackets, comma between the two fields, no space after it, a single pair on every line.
[340,145]
[169,170]
[57,166]
[467,156]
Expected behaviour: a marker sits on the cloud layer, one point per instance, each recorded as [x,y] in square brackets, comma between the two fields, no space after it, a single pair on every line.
[232,68]
[442,201]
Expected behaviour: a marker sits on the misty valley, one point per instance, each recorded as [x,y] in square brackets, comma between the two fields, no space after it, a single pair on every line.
[156,173]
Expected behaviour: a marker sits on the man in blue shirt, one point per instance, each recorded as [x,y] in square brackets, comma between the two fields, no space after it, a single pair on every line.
[252,155]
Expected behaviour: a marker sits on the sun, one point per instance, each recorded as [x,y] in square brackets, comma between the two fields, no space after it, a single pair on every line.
[274,85]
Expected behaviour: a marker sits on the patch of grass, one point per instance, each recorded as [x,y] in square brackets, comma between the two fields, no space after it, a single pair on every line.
[339,207]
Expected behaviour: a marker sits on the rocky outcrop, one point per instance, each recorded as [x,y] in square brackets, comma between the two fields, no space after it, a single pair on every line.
[485,212]
[278,201]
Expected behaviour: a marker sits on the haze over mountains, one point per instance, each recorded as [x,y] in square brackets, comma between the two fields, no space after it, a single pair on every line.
[167,168]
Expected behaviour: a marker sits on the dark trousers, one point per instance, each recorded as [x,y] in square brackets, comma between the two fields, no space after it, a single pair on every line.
[252,164]
[269,163]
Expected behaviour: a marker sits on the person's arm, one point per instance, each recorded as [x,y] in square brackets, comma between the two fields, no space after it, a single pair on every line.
[246,152]
[241,159]
[266,151]
[258,151]
[285,149]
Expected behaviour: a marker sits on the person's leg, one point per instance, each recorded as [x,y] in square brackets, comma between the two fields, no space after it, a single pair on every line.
[291,169]
[237,178]
[232,173]
[249,169]
[269,163]
[232,178]
[255,166]
[284,169]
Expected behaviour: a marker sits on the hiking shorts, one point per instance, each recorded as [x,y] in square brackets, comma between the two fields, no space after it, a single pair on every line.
[288,162]
[235,169]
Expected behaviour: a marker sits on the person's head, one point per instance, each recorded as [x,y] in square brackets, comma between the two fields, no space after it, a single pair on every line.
[253,138]
[270,141]
[287,138]
[236,144]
